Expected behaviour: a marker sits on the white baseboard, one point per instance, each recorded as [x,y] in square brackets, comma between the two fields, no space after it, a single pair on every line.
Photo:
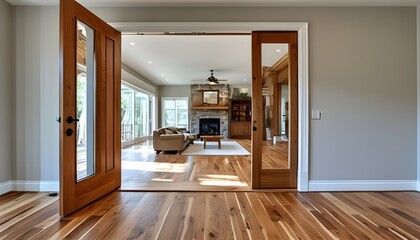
[418,186]
[5,187]
[303,180]
[363,185]
[35,186]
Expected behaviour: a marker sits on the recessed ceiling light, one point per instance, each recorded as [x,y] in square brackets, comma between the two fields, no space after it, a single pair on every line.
[132,44]
[278,50]
[245,79]
[150,62]
[162,75]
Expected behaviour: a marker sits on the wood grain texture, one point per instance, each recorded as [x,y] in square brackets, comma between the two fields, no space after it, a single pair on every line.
[107,41]
[216,215]
[144,170]
[274,176]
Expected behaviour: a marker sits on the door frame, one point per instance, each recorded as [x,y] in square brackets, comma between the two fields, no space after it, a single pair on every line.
[248,27]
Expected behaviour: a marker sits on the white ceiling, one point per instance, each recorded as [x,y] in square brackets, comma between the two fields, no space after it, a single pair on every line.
[184,60]
[225,2]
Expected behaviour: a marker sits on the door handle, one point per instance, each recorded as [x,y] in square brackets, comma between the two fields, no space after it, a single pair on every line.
[254,128]
[71,119]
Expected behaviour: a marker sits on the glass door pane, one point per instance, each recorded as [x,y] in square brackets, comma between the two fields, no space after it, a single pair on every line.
[275,82]
[182,113]
[85,95]
[127,98]
[141,114]
[169,113]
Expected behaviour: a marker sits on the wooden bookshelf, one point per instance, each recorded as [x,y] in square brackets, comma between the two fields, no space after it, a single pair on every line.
[240,112]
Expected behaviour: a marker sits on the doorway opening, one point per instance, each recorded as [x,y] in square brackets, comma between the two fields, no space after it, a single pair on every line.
[149,171]
[180,65]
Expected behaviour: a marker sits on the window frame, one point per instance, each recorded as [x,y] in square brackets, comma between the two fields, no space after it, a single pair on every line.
[150,114]
[163,99]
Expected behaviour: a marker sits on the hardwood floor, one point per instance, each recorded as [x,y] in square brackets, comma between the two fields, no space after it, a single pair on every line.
[143,169]
[275,155]
[216,215]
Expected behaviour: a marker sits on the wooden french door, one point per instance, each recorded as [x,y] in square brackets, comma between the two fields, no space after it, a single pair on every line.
[275,110]
[90,88]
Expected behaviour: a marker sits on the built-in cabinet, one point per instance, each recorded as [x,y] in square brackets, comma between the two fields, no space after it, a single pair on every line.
[240,118]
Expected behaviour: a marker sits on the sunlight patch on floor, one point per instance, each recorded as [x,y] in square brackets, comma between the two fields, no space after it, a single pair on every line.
[223,183]
[214,176]
[220,180]
[155,167]
[162,180]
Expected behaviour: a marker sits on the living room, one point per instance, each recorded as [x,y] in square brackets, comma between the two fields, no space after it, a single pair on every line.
[221,100]
[178,64]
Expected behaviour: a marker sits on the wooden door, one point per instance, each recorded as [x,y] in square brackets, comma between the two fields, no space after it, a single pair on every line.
[90,86]
[274,163]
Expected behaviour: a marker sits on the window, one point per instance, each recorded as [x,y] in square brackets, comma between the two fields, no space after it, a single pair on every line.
[136,113]
[175,112]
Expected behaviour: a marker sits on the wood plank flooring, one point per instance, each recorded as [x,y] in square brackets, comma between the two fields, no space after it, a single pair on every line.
[216,215]
[143,169]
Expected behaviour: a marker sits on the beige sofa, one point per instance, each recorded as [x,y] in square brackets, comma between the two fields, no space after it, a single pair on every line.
[178,140]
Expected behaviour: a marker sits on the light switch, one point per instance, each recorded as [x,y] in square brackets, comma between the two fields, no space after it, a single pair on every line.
[316,114]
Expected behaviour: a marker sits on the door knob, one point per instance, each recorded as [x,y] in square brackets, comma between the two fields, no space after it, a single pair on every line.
[254,128]
[71,119]
[69,132]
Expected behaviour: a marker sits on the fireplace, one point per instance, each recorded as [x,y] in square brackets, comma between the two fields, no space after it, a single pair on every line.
[209,126]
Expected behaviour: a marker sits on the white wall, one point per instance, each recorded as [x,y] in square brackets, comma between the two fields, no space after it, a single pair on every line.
[5,79]
[362,75]
[35,94]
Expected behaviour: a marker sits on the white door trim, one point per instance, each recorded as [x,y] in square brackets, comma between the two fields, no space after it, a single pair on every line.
[300,27]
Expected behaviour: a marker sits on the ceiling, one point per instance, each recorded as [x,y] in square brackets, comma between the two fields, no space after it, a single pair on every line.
[188,59]
[184,60]
[224,3]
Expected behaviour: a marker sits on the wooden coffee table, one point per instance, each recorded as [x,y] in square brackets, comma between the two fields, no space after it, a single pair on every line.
[214,138]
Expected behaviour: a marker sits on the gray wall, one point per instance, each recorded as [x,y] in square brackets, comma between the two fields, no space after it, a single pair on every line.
[362,75]
[418,98]
[5,79]
[35,94]
[171,91]
[132,77]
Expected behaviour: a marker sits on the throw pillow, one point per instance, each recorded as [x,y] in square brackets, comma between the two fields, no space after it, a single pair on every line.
[173,129]
[168,131]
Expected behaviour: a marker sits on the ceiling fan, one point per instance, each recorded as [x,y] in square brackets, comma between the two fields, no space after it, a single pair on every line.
[213,80]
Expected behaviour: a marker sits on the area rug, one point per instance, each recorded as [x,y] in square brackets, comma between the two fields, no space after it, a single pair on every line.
[227,148]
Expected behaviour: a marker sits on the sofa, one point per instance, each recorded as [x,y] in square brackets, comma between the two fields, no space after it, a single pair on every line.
[171,139]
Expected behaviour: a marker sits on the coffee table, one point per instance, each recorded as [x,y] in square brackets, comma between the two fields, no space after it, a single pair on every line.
[213,138]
